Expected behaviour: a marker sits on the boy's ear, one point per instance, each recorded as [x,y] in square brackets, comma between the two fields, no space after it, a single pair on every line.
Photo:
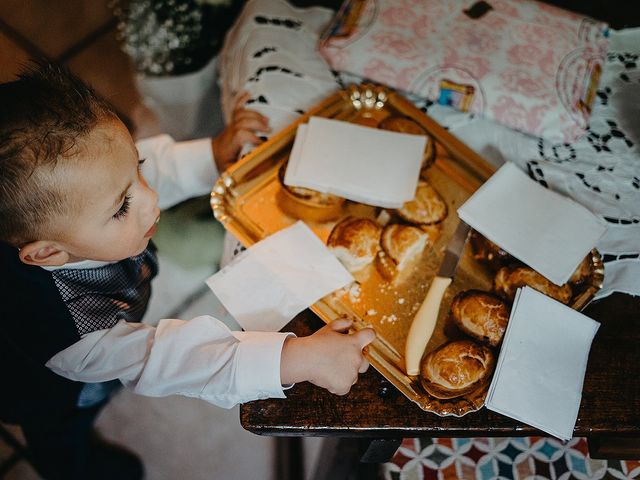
[43,253]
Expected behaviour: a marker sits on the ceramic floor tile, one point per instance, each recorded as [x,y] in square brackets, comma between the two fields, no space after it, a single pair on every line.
[104,66]
[53,27]
[12,59]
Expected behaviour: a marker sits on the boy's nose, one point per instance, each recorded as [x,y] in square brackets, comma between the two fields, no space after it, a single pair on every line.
[151,201]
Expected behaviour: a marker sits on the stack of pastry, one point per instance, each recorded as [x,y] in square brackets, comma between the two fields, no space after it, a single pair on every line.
[463,366]
[510,274]
[358,241]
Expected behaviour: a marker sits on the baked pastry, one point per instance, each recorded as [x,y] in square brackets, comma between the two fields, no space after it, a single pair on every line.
[355,242]
[457,368]
[406,125]
[433,232]
[307,204]
[400,244]
[428,206]
[509,279]
[484,250]
[480,315]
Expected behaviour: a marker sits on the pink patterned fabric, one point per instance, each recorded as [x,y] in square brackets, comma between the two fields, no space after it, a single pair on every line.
[530,66]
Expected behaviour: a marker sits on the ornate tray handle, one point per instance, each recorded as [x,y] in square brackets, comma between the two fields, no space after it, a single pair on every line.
[219,195]
[367,96]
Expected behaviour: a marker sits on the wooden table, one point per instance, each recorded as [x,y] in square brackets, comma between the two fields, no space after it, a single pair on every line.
[380,416]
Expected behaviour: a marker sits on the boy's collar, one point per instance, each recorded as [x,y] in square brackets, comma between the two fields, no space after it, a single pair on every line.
[80,265]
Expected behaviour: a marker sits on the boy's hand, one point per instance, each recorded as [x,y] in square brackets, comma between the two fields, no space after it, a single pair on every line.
[330,358]
[242,129]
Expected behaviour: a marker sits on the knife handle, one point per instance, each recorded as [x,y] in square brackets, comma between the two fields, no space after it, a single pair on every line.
[423,324]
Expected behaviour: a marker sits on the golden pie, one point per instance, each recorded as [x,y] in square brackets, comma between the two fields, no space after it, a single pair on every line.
[480,315]
[427,208]
[509,279]
[456,368]
[400,244]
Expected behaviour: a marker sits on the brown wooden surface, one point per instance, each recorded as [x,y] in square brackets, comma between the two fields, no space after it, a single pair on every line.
[374,408]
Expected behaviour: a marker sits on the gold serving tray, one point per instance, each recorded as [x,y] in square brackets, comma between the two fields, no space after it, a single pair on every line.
[245,201]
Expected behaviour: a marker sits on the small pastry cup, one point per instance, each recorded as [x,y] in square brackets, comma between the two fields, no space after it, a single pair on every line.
[308,209]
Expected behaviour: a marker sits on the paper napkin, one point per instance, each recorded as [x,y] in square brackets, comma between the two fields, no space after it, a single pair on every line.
[278,277]
[547,231]
[363,164]
[543,359]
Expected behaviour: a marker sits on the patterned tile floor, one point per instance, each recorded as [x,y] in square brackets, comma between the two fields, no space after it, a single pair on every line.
[531,458]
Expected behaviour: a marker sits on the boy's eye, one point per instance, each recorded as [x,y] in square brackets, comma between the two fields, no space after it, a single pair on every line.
[140,162]
[124,208]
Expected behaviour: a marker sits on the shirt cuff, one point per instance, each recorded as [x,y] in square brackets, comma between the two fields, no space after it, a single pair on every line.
[202,167]
[258,363]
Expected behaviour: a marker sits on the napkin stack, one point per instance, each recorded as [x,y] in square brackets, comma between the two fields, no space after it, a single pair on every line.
[540,370]
[547,231]
[366,165]
[267,285]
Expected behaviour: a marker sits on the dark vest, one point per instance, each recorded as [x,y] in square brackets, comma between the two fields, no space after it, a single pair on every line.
[35,325]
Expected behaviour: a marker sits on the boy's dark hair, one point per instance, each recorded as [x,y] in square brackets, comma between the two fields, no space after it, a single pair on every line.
[43,116]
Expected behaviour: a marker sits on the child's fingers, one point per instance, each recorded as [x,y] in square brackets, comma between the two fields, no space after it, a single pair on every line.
[250,119]
[364,366]
[365,336]
[246,136]
[341,324]
[241,99]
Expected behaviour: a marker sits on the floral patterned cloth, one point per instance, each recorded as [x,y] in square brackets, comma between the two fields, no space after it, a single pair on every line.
[527,65]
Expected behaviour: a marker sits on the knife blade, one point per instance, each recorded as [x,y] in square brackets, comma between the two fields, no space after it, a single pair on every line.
[424,322]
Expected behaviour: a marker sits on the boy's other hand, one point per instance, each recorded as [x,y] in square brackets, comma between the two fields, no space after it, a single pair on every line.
[242,129]
[331,358]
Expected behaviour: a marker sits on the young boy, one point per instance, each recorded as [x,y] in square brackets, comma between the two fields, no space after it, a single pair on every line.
[76,219]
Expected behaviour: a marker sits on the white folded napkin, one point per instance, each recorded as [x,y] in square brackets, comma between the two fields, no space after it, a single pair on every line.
[543,359]
[547,231]
[267,285]
[363,164]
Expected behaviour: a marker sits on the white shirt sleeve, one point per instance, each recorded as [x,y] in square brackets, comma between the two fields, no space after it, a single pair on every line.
[177,170]
[198,358]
